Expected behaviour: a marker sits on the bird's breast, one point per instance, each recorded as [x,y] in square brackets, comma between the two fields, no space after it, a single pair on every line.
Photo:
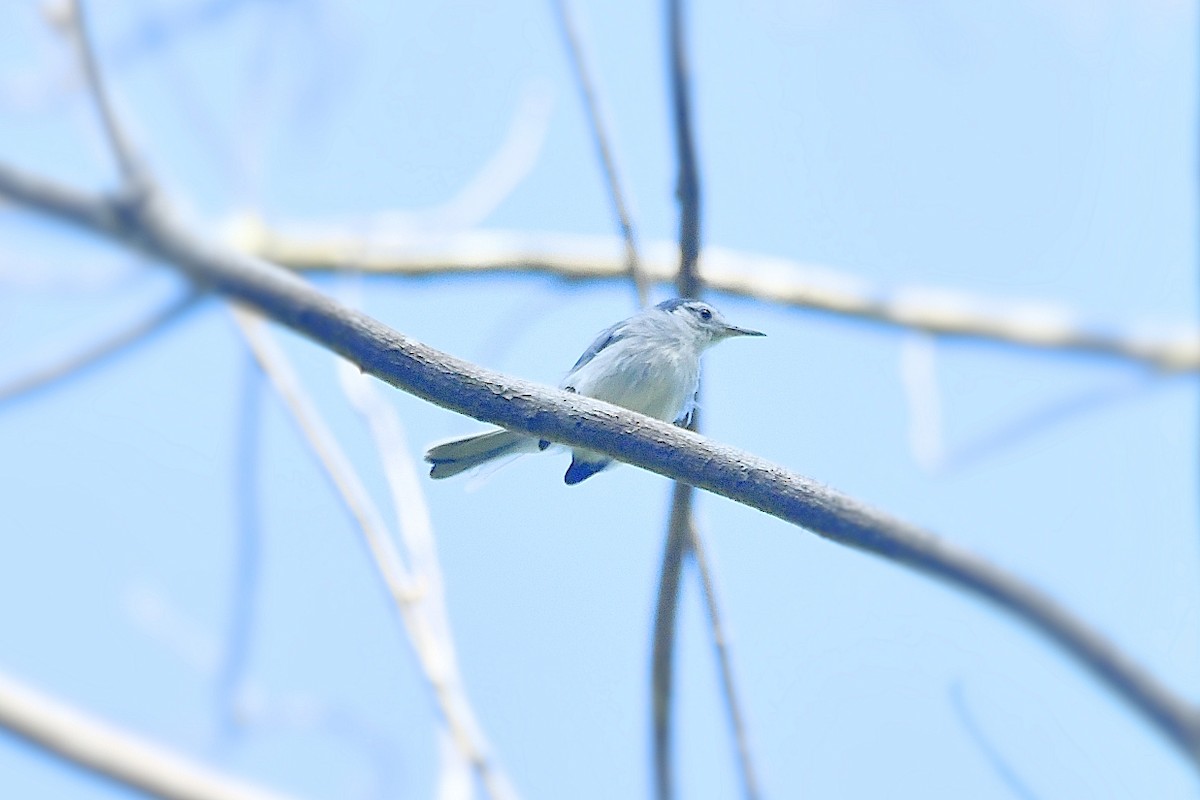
[655,381]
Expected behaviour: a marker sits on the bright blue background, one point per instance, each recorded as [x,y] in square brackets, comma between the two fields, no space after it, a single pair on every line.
[1039,150]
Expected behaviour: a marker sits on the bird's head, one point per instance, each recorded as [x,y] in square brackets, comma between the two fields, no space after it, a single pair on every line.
[703,321]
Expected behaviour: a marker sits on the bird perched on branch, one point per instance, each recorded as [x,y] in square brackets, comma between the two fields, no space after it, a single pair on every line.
[649,363]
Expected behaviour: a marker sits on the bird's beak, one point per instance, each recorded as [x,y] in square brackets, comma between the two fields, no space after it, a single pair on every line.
[734,330]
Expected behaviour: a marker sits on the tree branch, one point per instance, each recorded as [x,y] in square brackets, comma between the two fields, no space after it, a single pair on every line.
[1007,775]
[951,314]
[467,748]
[608,162]
[662,660]
[434,657]
[687,186]
[46,375]
[134,177]
[720,641]
[684,542]
[112,753]
[230,683]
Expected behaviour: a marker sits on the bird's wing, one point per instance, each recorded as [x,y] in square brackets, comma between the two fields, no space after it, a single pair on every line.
[610,335]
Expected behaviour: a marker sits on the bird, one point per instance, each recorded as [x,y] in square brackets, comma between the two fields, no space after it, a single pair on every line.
[648,363]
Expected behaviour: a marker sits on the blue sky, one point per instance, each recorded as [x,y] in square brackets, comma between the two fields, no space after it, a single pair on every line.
[1021,151]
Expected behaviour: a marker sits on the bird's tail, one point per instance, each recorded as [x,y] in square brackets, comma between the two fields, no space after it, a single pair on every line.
[466,452]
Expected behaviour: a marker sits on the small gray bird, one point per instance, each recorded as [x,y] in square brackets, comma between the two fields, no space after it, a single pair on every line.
[649,363]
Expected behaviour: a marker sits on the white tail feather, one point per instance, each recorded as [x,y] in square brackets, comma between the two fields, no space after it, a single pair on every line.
[467,452]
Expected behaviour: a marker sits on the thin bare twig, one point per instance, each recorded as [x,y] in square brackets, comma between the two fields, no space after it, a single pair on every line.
[92,355]
[317,247]
[662,659]
[436,663]
[231,673]
[135,181]
[683,536]
[289,715]
[737,721]
[577,421]
[998,763]
[684,543]
[687,186]
[504,171]
[1195,176]
[259,710]
[134,177]
[415,527]
[112,753]
[918,378]
[608,163]
[681,529]
[1055,412]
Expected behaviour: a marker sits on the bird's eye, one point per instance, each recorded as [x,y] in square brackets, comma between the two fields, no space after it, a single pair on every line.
[705,314]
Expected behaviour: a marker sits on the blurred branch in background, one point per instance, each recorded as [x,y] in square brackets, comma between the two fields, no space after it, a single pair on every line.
[86,742]
[505,169]
[687,180]
[134,181]
[918,377]
[429,639]
[1047,415]
[683,546]
[682,536]
[248,552]
[721,649]
[134,178]
[604,151]
[163,28]
[662,680]
[923,400]
[416,533]
[683,541]
[98,350]
[995,760]
[381,772]
[324,247]
[259,709]
[415,527]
